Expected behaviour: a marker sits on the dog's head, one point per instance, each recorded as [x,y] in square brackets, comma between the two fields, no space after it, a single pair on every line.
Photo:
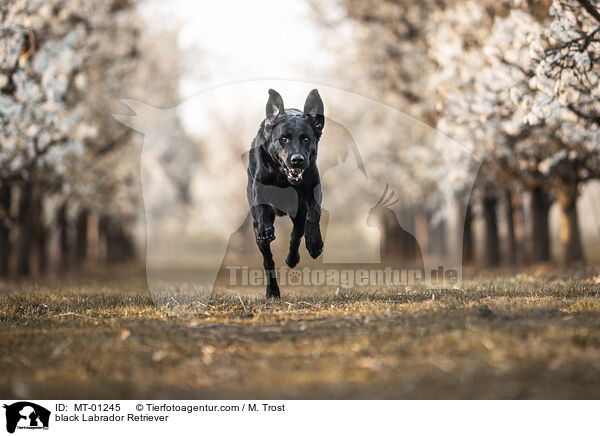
[292,136]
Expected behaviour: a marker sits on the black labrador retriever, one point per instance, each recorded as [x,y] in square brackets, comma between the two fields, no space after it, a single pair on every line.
[283,179]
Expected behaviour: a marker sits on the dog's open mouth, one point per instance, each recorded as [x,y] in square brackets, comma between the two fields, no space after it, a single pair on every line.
[294,175]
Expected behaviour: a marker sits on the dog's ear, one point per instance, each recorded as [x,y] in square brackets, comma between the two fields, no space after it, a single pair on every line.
[274,105]
[313,107]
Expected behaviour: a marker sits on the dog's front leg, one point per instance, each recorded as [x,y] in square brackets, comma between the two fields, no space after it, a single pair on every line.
[299,222]
[264,218]
[312,233]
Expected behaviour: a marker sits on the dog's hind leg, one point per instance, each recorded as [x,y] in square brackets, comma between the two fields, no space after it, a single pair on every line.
[299,222]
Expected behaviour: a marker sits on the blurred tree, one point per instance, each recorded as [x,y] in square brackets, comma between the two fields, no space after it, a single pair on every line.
[566,74]
[510,224]
[515,81]
[5,226]
[511,117]
[62,62]
[409,67]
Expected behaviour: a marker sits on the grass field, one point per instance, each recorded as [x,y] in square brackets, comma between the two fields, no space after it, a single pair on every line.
[526,336]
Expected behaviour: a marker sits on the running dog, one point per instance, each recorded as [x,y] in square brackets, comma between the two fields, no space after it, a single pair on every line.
[282,170]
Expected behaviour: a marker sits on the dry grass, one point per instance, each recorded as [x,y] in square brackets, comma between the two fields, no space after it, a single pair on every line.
[520,337]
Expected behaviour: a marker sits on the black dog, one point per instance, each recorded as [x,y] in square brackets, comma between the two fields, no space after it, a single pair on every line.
[284,155]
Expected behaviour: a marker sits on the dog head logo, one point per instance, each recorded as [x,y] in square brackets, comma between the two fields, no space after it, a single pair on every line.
[26,415]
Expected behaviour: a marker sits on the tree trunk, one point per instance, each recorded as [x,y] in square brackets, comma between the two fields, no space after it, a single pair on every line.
[111,243]
[521,234]
[118,244]
[540,228]
[111,231]
[436,241]
[468,240]
[103,238]
[81,239]
[40,235]
[406,237]
[63,237]
[570,236]
[398,246]
[93,242]
[385,238]
[492,242]
[127,246]
[5,247]
[510,223]
[25,229]
[42,252]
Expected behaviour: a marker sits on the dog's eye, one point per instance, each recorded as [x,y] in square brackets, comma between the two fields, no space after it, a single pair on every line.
[284,139]
[306,139]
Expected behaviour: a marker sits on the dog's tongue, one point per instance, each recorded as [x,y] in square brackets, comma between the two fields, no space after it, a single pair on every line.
[293,174]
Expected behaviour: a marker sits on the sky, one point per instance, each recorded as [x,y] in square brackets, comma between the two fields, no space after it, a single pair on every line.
[235,41]
[240,40]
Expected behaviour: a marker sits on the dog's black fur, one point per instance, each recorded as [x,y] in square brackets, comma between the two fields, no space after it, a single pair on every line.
[284,155]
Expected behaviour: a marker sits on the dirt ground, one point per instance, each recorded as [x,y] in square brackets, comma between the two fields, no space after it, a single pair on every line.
[523,336]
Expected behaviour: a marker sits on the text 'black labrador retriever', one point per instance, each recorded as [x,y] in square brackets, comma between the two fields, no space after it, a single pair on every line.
[283,179]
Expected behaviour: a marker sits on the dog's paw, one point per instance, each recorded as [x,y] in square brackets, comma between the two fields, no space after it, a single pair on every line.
[314,244]
[265,235]
[273,291]
[315,249]
[292,259]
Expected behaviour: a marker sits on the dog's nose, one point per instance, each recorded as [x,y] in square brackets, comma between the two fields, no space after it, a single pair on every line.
[297,159]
